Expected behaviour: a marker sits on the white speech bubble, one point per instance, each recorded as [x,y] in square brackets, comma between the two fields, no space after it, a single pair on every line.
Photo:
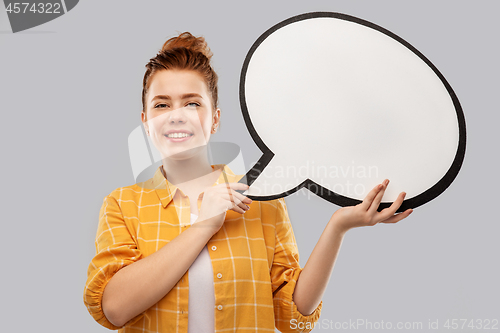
[337,104]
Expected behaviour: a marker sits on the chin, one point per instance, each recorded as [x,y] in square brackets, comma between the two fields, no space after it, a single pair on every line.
[183,154]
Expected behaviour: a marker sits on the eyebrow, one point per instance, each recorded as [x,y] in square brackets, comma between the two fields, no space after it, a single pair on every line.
[185,96]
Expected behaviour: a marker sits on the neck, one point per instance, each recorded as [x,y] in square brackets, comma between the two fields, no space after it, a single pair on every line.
[183,171]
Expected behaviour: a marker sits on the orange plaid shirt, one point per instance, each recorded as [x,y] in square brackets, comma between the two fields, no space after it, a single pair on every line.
[254,257]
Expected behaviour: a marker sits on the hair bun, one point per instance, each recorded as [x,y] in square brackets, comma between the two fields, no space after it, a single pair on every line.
[190,42]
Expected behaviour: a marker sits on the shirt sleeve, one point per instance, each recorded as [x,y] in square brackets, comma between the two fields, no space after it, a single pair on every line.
[115,249]
[285,272]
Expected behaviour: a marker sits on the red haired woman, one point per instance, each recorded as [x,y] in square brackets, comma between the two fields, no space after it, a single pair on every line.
[185,251]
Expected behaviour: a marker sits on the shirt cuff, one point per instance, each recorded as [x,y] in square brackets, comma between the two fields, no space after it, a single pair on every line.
[95,289]
[291,319]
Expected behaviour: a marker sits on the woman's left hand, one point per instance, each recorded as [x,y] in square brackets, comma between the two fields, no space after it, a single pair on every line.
[366,214]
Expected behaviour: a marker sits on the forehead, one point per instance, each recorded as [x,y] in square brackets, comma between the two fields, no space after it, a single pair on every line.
[176,83]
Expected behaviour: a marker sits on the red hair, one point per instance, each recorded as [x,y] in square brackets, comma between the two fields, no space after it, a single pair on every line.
[183,52]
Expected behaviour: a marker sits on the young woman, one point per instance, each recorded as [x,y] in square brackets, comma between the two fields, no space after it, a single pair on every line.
[184,251]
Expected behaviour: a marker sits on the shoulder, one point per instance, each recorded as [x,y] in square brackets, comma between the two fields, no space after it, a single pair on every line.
[274,204]
[272,212]
[130,193]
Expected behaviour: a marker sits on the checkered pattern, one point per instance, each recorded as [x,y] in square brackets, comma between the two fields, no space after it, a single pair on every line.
[254,257]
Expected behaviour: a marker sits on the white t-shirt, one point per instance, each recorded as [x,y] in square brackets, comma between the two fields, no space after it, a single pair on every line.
[201,293]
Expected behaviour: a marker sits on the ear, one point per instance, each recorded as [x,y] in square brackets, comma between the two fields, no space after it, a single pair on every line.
[215,121]
[145,122]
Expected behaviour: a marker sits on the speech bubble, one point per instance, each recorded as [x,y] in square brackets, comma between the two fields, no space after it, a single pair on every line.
[337,104]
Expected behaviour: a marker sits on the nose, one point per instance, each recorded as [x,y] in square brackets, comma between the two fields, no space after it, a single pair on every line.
[177,116]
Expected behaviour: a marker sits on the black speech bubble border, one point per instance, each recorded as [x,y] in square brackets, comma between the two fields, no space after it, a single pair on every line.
[312,186]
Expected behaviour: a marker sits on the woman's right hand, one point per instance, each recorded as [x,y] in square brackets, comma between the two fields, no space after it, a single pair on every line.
[218,199]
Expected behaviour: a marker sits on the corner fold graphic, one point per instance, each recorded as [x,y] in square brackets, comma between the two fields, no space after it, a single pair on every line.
[28,14]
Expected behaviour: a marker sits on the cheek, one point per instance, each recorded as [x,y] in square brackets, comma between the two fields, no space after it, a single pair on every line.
[204,120]
[154,122]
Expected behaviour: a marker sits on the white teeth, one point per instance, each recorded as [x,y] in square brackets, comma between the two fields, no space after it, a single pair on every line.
[178,135]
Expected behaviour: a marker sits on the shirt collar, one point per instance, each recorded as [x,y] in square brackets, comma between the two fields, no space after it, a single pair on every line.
[166,190]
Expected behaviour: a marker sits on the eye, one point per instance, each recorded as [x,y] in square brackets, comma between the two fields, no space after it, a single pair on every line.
[193,104]
[157,106]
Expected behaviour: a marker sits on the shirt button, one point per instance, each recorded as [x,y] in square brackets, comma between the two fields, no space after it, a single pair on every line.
[214,248]
[219,275]
[219,307]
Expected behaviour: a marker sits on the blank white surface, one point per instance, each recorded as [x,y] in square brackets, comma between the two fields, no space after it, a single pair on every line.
[348,106]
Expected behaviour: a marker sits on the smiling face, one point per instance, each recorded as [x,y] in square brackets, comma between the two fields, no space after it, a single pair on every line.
[179,115]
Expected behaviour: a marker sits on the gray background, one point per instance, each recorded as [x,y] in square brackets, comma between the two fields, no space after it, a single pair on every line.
[70,96]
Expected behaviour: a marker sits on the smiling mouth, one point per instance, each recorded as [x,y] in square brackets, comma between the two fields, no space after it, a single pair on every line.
[178,135]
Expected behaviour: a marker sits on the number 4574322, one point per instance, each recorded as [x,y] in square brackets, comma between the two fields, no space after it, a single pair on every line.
[35,8]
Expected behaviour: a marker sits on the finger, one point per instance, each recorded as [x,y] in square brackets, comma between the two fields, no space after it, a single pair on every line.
[242,198]
[243,206]
[370,196]
[391,210]
[237,205]
[233,196]
[378,198]
[234,186]
[236,199]
[238,209]
[398,217]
